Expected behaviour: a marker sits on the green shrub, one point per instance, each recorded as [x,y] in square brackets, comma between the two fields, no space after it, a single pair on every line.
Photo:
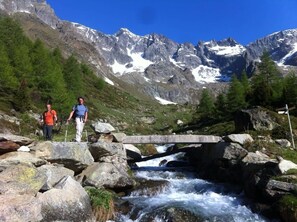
[288,207]
[102,204]
[289,155]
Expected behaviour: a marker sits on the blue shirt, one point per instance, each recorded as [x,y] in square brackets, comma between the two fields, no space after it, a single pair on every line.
[79,110]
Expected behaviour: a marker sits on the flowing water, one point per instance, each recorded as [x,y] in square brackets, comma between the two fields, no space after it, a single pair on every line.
[185,197]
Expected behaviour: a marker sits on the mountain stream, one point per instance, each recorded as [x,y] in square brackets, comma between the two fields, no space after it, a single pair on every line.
[184,197]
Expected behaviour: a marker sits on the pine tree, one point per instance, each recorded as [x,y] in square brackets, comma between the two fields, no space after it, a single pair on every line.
[267,85]
[58,94]
[245,83]
[22,100]
[7,78]
[206,105]
[17,47]
[290,89]
[235,96]
[221,106]
[73,76]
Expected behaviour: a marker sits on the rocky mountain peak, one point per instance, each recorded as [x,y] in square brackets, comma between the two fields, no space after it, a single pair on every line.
[228,42]
[35,7]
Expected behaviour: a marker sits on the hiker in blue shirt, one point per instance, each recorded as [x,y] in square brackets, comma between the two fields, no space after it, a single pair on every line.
[80,112]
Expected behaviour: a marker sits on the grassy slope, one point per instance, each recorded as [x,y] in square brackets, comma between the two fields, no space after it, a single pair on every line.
[122,107]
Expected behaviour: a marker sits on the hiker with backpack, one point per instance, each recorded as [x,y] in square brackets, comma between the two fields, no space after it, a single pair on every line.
[48,118]
[80,114]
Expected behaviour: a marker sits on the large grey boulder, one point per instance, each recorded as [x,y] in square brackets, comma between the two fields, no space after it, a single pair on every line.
[276,189]
[211,153]
[238,138]
[67,201]
[119,137]
[100,127]
[73,155]
[102,149]
[255,158]
[254,162]
[254,119]
[224,150]
[14,158]
[283,142]
[8,146]
[21,179]
[21,140]
[53,175]
[19,208]
[285,165]
[132,151]
[107,175]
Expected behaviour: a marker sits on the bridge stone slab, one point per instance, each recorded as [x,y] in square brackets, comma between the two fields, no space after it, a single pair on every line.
[167,139]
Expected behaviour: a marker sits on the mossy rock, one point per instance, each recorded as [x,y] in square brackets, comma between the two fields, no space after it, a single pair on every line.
[288,208]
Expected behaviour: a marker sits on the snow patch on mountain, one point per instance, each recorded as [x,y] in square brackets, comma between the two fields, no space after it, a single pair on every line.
[89,33]
[138,64]
[228,50]
[163,101]
[118,68]
[205,74]
[25,11]
[107,80]
[178,64]
[282,61]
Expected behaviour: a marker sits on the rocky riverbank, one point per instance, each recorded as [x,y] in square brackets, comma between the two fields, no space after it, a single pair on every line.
[262,176]
[45,181]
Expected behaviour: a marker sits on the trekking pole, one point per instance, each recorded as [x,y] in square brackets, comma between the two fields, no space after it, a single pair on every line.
[66,131]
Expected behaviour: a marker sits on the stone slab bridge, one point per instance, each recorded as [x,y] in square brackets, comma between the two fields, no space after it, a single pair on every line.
[169,139]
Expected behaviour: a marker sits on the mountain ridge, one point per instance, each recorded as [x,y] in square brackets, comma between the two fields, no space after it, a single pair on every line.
[159,66]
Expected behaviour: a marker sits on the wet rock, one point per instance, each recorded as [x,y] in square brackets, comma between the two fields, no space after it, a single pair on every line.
[163,162]
[177,163]
[149,187]
[123,207]
[172,214]
[107,175]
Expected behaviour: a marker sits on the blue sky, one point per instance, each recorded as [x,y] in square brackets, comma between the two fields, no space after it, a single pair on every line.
[183,20]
